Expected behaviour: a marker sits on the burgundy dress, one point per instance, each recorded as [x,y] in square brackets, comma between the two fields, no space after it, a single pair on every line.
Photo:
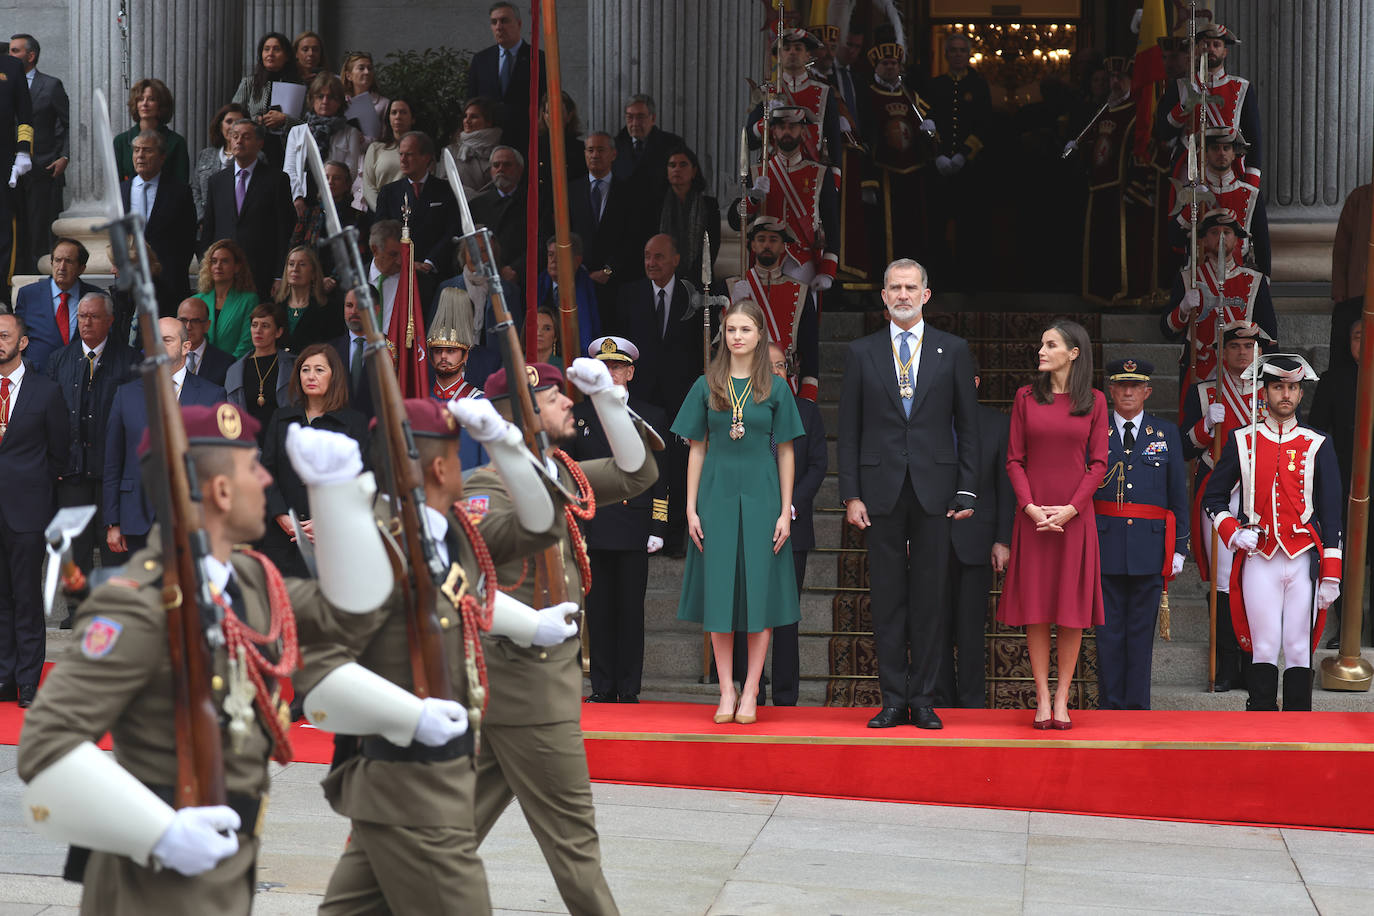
[1055,459]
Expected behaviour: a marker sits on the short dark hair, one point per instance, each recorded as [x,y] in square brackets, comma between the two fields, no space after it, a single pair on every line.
[505,4]
[643,98]
[31,42]
[337,395]
[574,242]
[268,310]
[18,320]
[156,137]
[419,136]
[83,256]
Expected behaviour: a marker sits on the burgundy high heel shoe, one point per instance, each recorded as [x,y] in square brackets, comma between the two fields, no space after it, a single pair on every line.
[1041,724]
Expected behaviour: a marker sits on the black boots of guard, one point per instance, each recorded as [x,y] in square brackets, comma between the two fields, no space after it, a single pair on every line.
[1263,681]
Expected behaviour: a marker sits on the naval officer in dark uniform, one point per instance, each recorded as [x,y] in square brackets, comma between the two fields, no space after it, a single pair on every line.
[620,538]
[1142,531]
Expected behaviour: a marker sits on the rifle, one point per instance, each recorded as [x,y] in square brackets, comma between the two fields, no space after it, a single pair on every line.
[194,619]
[414,560]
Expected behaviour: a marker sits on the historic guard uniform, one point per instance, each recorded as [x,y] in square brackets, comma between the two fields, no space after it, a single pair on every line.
[619,538]
[16,155]
[902,148]
[1142,533]
[813,95]
[790,310]
[1287,535]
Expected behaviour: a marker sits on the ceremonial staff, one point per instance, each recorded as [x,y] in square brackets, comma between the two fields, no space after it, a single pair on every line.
[744,183]
[706,653]
[194,618]
[1216,456]
[415,561]
[562,219]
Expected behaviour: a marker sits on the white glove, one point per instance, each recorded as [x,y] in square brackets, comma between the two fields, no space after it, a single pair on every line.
[440,722]
[957,162]
[1135,21]
[1244,539]
[1328,590]
[194,843]
[1192,301]
[322,457]
[590,375]
[655,543]
[554,626]
[22,164]
[1069,148]
[1178,564]
[928,126]
[1215,414]
[821,282]
[479,417]
[942,164]
[761,187]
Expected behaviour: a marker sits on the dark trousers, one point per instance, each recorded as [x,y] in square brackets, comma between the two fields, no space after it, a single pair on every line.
[908,560]
[965,683]
[23,632]
[85,491]
[1126,640]
[676,452]
[39,201]
[615,620]
[786,653]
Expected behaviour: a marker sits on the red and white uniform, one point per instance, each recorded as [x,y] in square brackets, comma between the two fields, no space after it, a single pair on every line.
[1232,194]
[810,94]
[1229,110]
[802,194]
[457,391]
[1247,300]
[792,323]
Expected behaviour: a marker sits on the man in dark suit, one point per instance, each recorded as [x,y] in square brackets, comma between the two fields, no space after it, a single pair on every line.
[657,313]
[40,191]
[501,208]
[433,209]
[88,370]
[128,517]
[48,307]
[204,359]
[502,72]
[250,202]
[908,455]
[169,217]
[1143,495]
[350,349]
[610,220]
[619,540]
[980,545]
[33,448]
[642,149]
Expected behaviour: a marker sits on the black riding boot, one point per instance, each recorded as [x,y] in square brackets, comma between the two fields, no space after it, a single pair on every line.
[1264,688]
[1297,689]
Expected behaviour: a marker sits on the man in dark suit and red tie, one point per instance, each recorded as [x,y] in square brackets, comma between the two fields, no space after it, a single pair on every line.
[433,216]
[908,455]
[48,307]
[33,449]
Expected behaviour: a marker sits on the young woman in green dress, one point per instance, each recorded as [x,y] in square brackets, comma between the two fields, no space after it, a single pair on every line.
[739,504]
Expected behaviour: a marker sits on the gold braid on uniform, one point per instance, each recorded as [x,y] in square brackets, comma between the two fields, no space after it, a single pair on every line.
[477,617]
[242,639]
[573,511]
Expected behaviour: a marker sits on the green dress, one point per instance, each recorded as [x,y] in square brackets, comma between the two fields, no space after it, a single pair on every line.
[737,583]
[229,330]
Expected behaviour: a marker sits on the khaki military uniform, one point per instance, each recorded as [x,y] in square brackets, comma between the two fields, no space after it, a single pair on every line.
[126,689]
[413,847]
[532,743]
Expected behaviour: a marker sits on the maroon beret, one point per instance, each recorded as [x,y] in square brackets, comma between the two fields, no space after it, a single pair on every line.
[220,424]
[428,417]
[541,375]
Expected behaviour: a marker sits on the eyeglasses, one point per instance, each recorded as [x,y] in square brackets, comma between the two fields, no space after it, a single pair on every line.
[191,321]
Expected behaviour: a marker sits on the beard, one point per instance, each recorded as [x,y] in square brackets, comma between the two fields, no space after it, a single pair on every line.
[765,258]
[903,312]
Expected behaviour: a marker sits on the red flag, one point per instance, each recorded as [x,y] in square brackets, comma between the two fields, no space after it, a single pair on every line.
[405,336]
[1148,72]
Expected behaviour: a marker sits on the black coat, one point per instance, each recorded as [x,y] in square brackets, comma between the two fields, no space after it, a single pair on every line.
[434,219]
[33,452]
[484,79]
[287,491]
[506,218]
[648,171]
[263,228]
[360,398]
[812,460]
[214,365]
[627,524]
[995,507]
[618,240]
[667,366]
[171,233]
[68,368]
[320,323]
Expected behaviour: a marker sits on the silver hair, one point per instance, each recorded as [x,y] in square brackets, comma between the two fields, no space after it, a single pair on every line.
[109,305]
[156,137]
[643,98]
[903,264]
[518,158]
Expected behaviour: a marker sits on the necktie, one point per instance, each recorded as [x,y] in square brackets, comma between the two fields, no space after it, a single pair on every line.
[241,190]
[147,207]
[355,364]
[904,354]
[90,360]
[4,407]
[192,361]
[507,64]
[662,311]
[639,148]
[415,186]
[596,201]
[1128,436]
[64,317]
[177,387]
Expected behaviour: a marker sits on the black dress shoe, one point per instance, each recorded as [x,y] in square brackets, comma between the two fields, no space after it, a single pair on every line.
[1221,685]
[1334,642]
[66,623]
[889,717]
[8,693]
[924,717]
[26,695]
[600,698]
[629,698]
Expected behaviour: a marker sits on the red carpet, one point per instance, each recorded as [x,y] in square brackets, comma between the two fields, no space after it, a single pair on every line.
[1220,767]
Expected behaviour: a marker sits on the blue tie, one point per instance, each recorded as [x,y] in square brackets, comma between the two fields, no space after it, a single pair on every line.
[507,59]
[904,355]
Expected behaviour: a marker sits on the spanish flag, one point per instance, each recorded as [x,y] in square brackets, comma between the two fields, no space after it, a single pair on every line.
[1147,73]
[405,336]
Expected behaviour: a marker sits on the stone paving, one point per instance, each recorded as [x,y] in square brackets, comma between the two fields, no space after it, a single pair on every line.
[678,851]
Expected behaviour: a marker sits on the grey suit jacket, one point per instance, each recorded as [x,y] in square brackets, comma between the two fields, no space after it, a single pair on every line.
[51,112]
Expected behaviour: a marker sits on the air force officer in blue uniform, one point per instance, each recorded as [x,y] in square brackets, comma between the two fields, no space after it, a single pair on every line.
[1142,531]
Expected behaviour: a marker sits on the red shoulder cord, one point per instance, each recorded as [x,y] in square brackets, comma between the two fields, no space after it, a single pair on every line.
[238,635]
[477,616]
[571,513]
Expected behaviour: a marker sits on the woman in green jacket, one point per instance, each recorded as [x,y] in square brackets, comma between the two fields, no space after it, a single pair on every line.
[227,289]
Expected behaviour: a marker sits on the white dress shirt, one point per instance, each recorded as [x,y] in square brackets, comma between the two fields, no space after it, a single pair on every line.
[1120,422]
[16,381]
[667,303]
[438,529]
[388,294]
[136,193]
[917,332]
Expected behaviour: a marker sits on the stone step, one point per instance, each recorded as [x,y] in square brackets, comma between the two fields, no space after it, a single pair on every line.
[841,326]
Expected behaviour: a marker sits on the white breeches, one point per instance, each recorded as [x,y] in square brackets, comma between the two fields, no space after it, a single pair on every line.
[1278,605]
[1225,556]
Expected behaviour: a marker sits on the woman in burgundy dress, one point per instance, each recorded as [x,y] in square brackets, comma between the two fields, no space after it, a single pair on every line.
[1056,457]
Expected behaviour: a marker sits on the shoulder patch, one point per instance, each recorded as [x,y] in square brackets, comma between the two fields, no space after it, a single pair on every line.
[477,507]
[100,637]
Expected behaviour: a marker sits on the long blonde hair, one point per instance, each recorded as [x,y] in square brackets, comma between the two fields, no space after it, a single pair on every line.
[718,373]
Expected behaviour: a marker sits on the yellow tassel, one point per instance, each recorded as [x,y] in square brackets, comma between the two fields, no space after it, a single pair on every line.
[1164,616]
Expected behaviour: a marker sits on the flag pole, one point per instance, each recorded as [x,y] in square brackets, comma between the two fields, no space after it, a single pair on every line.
[562,219]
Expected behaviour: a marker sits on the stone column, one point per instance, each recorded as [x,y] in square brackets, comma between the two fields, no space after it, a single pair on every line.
[188,44]
[290,17]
